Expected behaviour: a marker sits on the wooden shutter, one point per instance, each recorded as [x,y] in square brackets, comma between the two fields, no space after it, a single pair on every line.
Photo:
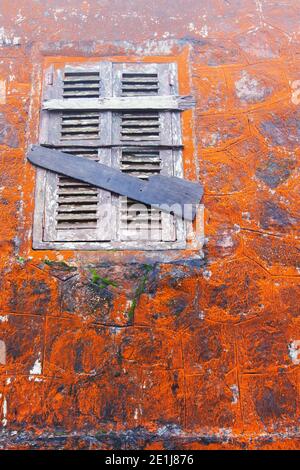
[141,136]
[75,211]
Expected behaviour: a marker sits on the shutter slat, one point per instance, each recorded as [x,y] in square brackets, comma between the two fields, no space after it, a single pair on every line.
[81,93]
[79,215]
[91,154]
[139,86]
[139,80]
[82,190]
[88,207]
[78,199]
[79,129]
[139,130]
[131,159]
[133,92]
[142,166]
[140,115]
[146,218]
[92,85]
[141,138]
[135,121]
[70,182]
[78,226]
[77,73]
[81,115]
[80,137]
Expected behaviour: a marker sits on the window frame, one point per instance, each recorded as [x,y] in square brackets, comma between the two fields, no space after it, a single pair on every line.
[42,176]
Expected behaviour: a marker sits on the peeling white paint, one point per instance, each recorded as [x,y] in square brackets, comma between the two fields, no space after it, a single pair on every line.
[201,315]
[176,430]
[235,394]
[4,412]
[3,318]
[246,215]
[212,140]
[7,39]
[2,91]
[114,330]
[249,89]
[207,274]
[37,367]
[2,352]
[204,31]
[294,351]
[258,6]
[295,86]
[152,47]
[19,18]
[226,241]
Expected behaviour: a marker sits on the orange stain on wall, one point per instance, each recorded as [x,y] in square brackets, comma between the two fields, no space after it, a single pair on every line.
[194,350]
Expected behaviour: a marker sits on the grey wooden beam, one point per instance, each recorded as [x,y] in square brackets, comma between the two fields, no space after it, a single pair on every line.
[169,194]
[125,146]
[145,103]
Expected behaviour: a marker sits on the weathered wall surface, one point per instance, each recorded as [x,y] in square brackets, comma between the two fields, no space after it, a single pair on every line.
[198,353]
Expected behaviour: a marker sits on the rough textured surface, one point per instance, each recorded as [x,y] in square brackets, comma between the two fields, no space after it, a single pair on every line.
[195,353]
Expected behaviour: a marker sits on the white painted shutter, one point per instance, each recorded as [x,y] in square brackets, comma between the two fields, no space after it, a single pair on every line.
[75,211]
[141,136]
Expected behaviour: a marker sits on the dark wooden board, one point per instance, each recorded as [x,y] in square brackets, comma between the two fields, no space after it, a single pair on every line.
[170,194]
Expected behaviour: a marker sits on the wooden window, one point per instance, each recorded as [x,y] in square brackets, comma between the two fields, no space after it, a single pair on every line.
[73,215]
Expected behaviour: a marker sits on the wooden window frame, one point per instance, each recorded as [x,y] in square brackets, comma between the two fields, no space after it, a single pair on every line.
[45,184]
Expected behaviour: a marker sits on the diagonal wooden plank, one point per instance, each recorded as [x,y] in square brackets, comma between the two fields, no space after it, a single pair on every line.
[172,195]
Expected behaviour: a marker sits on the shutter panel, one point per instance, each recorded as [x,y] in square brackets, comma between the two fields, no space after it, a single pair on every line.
[140,127]
[140,143]
[75,211]
[147,131]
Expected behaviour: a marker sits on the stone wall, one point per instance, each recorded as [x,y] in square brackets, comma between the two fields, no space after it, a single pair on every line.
[201,351]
